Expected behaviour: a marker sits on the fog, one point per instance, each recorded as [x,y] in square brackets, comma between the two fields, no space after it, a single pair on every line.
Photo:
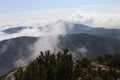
[48,40]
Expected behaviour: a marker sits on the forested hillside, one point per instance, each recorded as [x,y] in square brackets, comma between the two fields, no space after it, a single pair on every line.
[61,66]
[79,45]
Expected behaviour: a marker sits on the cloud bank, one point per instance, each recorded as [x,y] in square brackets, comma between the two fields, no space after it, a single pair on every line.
[93,15]
[97,19]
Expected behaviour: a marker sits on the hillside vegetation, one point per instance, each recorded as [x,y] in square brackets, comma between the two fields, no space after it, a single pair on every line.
[78,44]
[60,66]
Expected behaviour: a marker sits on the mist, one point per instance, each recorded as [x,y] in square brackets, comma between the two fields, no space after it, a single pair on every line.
[48,40]
[51,40]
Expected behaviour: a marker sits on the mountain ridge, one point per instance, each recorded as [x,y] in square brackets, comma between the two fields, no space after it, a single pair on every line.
[79,44]
[71,28]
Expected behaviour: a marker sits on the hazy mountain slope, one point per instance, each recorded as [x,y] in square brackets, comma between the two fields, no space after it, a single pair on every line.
[80,44]
[13,30]
[115,33]
[13,49]
[75,28]
[92,46]
[71,28]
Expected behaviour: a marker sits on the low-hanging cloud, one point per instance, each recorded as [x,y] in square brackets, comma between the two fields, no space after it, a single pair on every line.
[48,40]
[24,32]
[83,51]
[93,15]
[51,29]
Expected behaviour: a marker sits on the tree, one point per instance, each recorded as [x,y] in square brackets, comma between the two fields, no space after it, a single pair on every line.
[49,66]
[64,66]
[18,74]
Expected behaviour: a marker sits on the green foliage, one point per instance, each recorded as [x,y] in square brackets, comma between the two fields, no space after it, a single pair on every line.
[60,66]
[110,60]
[48,67]
[64,66]
[18,74]
[84,62]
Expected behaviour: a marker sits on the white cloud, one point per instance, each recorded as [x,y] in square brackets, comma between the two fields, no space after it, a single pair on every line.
[26,32]
[93,15]
[83,51]
[35,17]
[47,42]
[51,29]
[97,19]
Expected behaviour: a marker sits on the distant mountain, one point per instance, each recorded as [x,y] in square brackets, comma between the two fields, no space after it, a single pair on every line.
[79,44]
[103,32]
[73,28]
[15,29]
[76,28]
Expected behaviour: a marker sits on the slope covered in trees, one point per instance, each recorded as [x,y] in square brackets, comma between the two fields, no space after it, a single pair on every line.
[60,66]
[92,46]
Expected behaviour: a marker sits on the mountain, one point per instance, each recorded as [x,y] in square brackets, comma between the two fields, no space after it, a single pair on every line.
[80,39]
[13,49]
[72,28]
[103,32]
[90,45]
[13,30]
[79,44]
[76,28]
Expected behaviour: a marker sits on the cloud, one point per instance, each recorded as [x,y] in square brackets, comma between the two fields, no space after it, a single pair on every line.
[83,51]
[25,32]
[97,19]
[55,28]
[94,15]
[20,62]
[48,40]
[31,18]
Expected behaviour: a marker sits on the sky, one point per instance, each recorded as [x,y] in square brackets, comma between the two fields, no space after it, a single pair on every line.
[34,12]
[30,5]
